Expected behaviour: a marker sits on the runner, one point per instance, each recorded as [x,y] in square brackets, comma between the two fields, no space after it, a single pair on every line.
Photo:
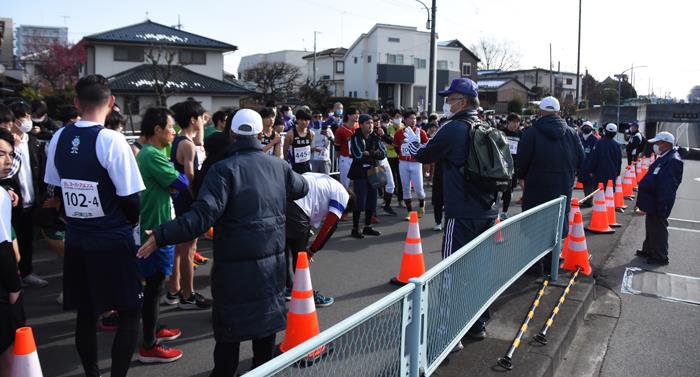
[342,142]
[513,135]
[394,126]
[325,203]
[410,170]
[189,116]
[299,139]
[269,138]
[100,182]
[160,177]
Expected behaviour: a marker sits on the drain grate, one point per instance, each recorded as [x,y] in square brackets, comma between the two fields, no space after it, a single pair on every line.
[663,285]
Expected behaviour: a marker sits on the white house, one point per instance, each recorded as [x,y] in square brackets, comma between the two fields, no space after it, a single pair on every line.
[197,68]
[330,69]
[560,84]
[293,57]
[390,64]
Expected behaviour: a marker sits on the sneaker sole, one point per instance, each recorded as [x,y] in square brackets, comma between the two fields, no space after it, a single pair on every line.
[168,338]
[153,360]
[324,305]
[168,301]
[191,307]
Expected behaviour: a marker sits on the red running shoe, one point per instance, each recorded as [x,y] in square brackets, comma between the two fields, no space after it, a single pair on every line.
[158,354]
[199,259]
[164,334]
[109,321]
[374,220]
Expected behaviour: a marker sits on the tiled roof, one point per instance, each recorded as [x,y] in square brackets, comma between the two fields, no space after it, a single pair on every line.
[331,51]
[492,84]
[140,79]
[149,32]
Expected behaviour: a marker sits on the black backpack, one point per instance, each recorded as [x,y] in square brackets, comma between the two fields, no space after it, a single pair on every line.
[489,164]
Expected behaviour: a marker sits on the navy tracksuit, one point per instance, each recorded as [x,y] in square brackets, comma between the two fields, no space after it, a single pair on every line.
[606,160]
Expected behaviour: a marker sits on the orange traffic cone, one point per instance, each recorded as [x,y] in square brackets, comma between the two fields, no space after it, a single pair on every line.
[579,185]
[599,217]
[575,208]
[302,322]
[578,250]
[645,166]
[498,237]
[639,172]
[619,196]
[634,176]
[627,191]
[610,205]
[26,361]
[412,263]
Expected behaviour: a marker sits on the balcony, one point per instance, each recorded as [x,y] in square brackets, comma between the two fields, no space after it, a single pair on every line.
[396,74]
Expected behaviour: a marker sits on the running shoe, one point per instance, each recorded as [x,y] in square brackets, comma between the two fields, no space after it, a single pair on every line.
[407,218]
[33,281]
[503,216]
[389,211]
[369,231]
[421,212]
[158,354]
[437,227]
[288,294]
[194,302]
[109,321]
[172,298]
[322,301]
[374,220]
[199,259]
[165,333]
[458,347]
[356,234]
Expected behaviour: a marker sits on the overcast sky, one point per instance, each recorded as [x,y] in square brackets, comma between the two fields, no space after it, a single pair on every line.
[661,35]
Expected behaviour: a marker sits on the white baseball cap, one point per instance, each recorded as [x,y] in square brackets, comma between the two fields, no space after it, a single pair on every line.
[664,136]
[587,123]
[611,127]
[246,122]
[550,104]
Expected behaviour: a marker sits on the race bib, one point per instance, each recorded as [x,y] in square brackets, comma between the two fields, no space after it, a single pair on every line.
[405,151]
[513,145]
[302,154]
[81,199]
[137,234]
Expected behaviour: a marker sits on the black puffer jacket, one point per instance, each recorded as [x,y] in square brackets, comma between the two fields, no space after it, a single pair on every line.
[245,198]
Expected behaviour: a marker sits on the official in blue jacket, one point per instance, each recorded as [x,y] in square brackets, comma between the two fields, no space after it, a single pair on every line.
[606,158]
[585,174]
[656,196]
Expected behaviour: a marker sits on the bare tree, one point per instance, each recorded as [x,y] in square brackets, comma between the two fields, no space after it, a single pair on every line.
[275,81]
[161,59]
[496,54]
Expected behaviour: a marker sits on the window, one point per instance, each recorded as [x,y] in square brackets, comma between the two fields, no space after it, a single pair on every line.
[325,77]
[569,81]
[193,57]
[466,69]
[354,94]
[354,59]
[369,58]
[128,54]
[442,64]
[419,63]
[394,59]
[339,67]
[394,40]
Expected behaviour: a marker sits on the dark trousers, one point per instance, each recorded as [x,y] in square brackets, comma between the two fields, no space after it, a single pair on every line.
[366,200]
[151,307]
[24,227]
[297,238]
[437,195]
[459,232]
[123,344]
[394,164]
[656,242]
[226,355]
[588,188]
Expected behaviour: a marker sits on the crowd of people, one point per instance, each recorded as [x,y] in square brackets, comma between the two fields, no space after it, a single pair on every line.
[259,183]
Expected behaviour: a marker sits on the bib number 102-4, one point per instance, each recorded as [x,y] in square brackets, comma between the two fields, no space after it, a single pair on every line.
[81,199]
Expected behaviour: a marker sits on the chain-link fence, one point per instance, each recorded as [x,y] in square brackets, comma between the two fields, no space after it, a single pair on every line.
[370,343]
[415,327]
[460,288]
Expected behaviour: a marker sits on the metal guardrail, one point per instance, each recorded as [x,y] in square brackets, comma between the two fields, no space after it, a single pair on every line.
[368,343]
[454,293]
[413,329]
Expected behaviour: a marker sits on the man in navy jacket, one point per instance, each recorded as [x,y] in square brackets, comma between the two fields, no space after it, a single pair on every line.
[656,196]
[606,159]
[585,174]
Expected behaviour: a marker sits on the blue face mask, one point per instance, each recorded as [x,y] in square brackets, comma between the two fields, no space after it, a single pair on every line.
[339,112]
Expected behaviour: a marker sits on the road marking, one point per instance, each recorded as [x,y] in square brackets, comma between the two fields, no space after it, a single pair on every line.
[697,179]
[685,220]
[663,285]
[684,229]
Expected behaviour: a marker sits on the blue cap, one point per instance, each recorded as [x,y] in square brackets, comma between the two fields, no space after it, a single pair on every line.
[462,85]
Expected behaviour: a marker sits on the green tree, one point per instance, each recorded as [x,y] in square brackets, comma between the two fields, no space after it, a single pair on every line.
[515,106]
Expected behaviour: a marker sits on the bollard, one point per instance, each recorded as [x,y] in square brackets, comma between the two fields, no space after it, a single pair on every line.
[506,361]
[542,336]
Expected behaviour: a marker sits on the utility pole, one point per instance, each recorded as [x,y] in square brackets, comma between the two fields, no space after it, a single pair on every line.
[551,75]
[578,55]
[433,58]
[314,65]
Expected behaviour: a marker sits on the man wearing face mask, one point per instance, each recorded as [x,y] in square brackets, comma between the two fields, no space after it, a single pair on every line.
[635,144]
[606,158]
[392,154]
[43,125]
[585,175]
[656,196]
[288,117]
[30,186]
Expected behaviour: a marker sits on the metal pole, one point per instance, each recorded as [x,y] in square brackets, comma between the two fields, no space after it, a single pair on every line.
[542,336]
[551,76]
[431,75]
[578,55]
[314,65]
[506,361]
[619,97]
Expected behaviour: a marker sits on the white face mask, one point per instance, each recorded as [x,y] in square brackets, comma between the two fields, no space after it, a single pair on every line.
[657,149]
[26,126]
[397,121]
[447,109]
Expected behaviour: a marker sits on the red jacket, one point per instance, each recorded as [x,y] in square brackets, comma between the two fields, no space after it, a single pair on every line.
[398,142]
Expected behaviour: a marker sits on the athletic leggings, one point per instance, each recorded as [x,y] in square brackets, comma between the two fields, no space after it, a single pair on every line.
[151,308]
[122,347]
[226,355]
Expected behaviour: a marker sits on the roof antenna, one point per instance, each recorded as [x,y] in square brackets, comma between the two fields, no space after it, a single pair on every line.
[147,19]
[179,24]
